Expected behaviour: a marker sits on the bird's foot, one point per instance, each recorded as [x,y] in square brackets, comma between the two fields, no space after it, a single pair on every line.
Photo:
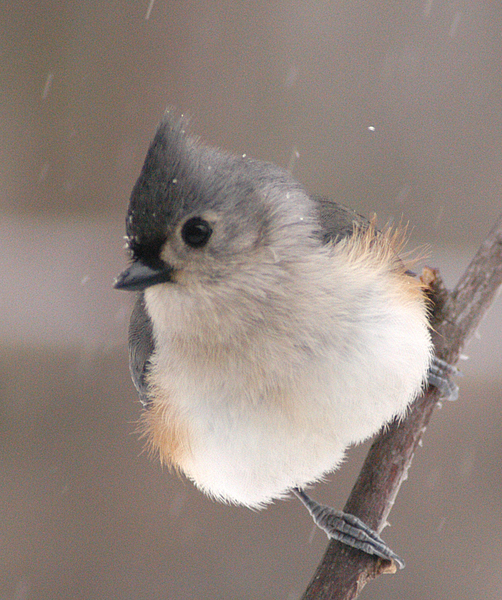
[347,529]
[439,375]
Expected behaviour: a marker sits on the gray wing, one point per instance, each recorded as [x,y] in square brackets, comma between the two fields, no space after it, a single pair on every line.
[337,221]
[141,348]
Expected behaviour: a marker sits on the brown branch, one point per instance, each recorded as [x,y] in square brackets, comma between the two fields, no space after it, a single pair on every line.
[343,571]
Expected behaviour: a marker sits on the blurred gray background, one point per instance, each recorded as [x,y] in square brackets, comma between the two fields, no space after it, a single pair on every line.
[393,107]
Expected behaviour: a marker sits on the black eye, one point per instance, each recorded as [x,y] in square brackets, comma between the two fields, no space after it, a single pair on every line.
[196,232]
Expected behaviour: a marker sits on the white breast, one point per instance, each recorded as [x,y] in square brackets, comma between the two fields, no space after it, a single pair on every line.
[273,379]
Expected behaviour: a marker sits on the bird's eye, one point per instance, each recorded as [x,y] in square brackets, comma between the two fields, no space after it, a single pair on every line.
[196,232]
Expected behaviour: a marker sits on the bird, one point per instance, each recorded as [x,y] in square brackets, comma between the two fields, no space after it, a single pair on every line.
[272,329]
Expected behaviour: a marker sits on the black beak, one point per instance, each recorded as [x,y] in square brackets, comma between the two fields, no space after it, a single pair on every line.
[140,276]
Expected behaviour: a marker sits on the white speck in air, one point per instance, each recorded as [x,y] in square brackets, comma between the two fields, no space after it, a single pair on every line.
[47,86]
[149,9]
[371,128]
[439,217]
[441,525]
[427,7]
[293,157]
[403,194]
[455,23]
[291,76]
[43,172]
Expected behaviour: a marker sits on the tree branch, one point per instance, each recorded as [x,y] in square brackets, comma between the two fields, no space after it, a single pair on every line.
[343,571]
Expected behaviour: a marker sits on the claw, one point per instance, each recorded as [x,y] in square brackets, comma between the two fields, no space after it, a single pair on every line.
[439,376]
[347,529]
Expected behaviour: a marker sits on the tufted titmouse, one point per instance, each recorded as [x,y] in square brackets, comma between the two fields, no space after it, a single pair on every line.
[272,329]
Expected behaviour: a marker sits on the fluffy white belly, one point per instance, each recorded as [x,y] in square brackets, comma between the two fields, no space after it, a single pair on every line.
[253,452]
[250,438]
